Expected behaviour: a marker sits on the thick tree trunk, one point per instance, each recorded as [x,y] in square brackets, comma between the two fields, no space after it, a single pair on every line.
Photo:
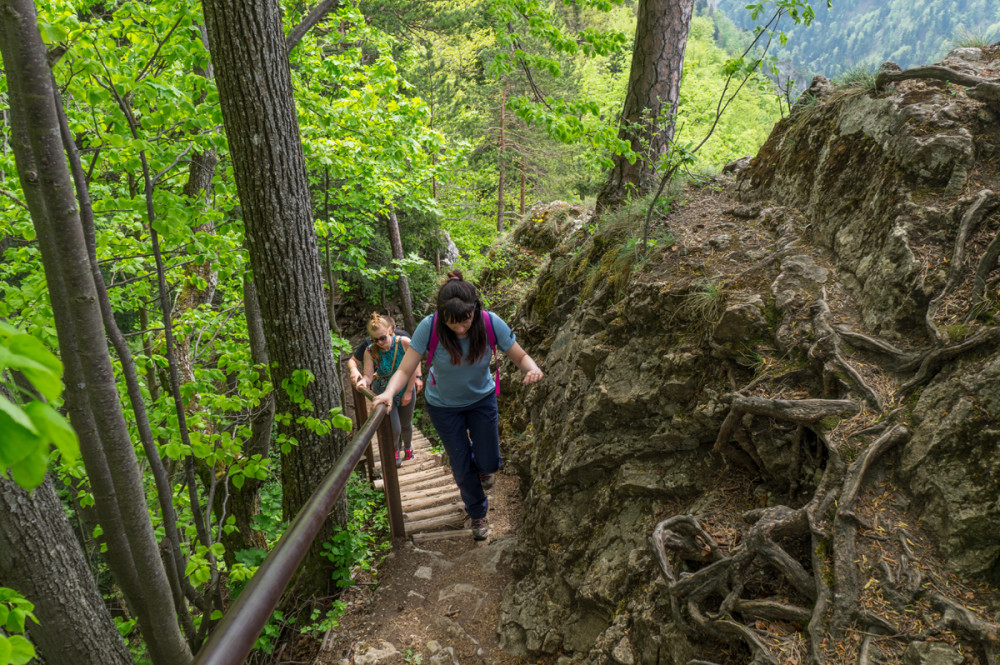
[91,396]
[650,108]
[405,300]
[41,558]
[255,90]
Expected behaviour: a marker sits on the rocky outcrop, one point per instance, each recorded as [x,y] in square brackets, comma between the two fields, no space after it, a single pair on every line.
[952,468]
[835,282]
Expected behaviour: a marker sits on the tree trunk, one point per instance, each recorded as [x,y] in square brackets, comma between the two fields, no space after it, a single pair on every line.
[41,558]
[523,179]
[255,91]
[330,273]
[91,395]
[650,109]
[406,302]
[244,502]
[500,149]
[164,490]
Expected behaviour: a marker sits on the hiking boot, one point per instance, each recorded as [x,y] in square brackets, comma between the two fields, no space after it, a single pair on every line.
[409,454]
[480,528]
[399,462]
[487,480]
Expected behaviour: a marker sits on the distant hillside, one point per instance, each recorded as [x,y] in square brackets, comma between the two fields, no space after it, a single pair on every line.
[869,32]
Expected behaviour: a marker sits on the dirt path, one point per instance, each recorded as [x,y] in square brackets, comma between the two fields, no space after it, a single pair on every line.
[434,604]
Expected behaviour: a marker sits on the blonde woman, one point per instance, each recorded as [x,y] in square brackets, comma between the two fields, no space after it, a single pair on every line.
[382,358]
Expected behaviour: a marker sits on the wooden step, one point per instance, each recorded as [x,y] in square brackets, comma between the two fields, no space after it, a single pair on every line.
[431,536]
[442,480]
[412,475]
[427,499]
[436,523]
[435,511]
[435,479]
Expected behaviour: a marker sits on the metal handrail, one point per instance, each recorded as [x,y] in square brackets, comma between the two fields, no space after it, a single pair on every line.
[233,638]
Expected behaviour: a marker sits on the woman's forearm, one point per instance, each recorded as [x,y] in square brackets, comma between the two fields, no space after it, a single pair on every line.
[527,365]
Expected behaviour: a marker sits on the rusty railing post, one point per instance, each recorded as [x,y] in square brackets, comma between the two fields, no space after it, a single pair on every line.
[390,480]
[361,415]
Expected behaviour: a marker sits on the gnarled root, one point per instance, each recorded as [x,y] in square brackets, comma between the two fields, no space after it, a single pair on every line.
[710,602]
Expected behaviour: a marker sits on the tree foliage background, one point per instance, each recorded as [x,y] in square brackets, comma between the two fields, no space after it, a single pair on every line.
[455,115]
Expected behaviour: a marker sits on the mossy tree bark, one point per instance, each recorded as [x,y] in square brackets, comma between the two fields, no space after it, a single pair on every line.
[41,558]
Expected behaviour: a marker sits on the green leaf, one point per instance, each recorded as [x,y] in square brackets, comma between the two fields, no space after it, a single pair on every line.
[6,649]
[54,427]
[30,356]
[15,621]
[52,33]
[21,650]
[30,471]
[19,436]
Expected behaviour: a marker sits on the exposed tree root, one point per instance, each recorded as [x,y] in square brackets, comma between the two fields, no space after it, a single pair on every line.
[804,412]
[827,352]
[984,202]
[983,89]
[986,265]
[709,598]
[898,358]
[958,619]
[933,359]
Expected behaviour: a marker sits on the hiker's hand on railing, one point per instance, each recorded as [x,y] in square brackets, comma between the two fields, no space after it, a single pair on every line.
[533,376]
[361,382]
[383,398]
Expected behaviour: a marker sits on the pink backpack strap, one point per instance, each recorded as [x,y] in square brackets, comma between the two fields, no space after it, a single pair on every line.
[432,346]
[491,337]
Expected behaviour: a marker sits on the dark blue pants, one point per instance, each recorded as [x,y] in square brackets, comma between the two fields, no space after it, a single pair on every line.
[470,436]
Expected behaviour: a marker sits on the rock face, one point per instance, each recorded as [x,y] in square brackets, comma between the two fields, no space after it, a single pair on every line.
[854,203]
[952,467]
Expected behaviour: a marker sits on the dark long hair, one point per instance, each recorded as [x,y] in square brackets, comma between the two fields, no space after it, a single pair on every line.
[456,300]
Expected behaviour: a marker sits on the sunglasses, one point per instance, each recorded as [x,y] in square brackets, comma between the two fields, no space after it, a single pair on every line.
[382,338]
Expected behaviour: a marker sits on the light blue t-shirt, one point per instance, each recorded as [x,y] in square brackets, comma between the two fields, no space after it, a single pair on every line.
[465,384]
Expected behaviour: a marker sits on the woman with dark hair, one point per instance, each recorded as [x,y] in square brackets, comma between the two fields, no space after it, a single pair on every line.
[461,394]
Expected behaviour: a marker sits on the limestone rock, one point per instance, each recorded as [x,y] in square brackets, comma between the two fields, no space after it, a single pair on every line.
[737,165]
[375,654]
[445,656]
[953,470]
[449,253]
[741,321]
[931,653]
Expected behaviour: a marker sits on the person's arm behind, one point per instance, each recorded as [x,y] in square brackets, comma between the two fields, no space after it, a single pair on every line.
[400,378]
[366,379]
[408,393]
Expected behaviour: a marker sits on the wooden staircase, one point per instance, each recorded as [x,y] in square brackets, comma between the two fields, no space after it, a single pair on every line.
[432,506]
